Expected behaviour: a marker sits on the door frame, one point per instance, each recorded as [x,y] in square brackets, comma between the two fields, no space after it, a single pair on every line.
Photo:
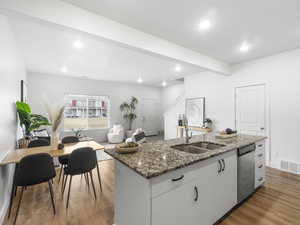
[140,113]
[267,116]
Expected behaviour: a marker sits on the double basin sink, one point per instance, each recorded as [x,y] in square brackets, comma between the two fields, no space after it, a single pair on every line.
[198,147]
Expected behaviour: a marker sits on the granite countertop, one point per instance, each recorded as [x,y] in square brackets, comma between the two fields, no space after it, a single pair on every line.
[157,157]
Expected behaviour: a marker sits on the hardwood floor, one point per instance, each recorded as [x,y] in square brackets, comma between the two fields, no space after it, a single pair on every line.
[83,209]
[277,203]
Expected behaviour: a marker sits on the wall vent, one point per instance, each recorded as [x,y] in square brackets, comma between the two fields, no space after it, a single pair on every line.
[291,167]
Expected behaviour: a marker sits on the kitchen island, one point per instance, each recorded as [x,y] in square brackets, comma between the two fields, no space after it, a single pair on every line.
[160,185]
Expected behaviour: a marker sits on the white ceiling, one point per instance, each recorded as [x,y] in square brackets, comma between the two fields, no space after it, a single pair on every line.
[47,47]
[271,26]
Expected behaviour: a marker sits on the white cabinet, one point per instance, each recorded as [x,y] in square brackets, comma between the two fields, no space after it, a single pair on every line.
[201,197]
[179,206]
[225,188]
[260,166]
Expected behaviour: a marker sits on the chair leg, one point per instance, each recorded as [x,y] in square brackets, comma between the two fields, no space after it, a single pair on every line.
[92,181]
[99,177]
[87,180]
[13,193]
[16,190]
[70,183]
[18,208]
[64,185]
[51,194]
[60,173]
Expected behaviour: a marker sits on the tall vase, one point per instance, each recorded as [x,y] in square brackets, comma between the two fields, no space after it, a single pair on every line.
[54,138]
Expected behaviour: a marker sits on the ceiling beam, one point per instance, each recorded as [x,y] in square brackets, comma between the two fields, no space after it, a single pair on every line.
[68,15]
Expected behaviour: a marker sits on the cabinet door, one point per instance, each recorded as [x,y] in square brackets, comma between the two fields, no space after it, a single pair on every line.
[178,206]
[226,186]
[207,202]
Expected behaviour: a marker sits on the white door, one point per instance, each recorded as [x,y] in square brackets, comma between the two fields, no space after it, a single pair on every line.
[150,116]
[250,109]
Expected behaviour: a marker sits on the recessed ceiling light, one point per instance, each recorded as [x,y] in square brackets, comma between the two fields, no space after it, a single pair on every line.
[140,80]
[78,44]
[205,24]
[164,83]
[178,68]
[245,47]
[64,69]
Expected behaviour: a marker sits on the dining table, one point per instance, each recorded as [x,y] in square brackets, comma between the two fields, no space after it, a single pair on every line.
[14,157]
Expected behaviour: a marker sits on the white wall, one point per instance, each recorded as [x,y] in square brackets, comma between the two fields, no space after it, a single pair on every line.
[55,87]
[173,98]
[12,71]
[281,74]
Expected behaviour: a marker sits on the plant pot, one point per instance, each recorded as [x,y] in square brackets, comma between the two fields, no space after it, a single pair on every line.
[129,133]
[54,138]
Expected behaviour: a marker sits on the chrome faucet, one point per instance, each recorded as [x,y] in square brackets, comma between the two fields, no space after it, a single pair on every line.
[186,128]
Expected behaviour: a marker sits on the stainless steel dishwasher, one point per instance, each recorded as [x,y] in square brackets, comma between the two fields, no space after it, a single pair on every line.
[246,172]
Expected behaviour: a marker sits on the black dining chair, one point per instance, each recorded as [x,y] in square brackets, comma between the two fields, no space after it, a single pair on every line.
[38,143]
[81,161]
[32,144]
[32,170]
[63,160]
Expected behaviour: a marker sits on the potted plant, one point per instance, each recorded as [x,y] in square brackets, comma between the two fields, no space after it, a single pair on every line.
[128,110]
[28,120]
[77,132]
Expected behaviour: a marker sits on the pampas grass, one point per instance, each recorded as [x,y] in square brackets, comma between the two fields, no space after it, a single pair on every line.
[55,113]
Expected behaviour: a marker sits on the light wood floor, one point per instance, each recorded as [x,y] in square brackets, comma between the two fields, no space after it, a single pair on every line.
[277,203]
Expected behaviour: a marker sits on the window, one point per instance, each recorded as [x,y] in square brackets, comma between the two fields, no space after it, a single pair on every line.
[86,112]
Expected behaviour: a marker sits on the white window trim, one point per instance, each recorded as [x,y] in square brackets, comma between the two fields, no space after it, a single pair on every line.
[90,129]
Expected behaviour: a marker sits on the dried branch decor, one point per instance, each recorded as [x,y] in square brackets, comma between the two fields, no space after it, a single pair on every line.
[55,113]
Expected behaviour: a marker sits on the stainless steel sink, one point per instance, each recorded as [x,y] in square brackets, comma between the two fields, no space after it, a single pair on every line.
[189,149]
[208,145]
[198,147]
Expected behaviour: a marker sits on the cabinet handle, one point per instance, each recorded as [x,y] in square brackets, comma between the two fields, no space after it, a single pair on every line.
[260,179]
[260,155]
[220,166]
[260,145]
[179,178]
[260,166]
[224,166]
[197,194]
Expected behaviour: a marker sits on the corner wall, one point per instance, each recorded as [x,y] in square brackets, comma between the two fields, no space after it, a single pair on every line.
[12,71]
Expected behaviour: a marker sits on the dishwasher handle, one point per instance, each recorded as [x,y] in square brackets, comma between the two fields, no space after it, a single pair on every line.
[246,149]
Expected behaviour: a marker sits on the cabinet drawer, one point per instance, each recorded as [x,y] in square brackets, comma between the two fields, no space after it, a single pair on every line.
[260,145]
[260,161]
[260,175]
[175,179]
[259,181]
[259,154]
[260,148]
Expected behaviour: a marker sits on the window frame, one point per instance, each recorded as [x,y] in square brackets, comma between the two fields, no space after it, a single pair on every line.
[66,95]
